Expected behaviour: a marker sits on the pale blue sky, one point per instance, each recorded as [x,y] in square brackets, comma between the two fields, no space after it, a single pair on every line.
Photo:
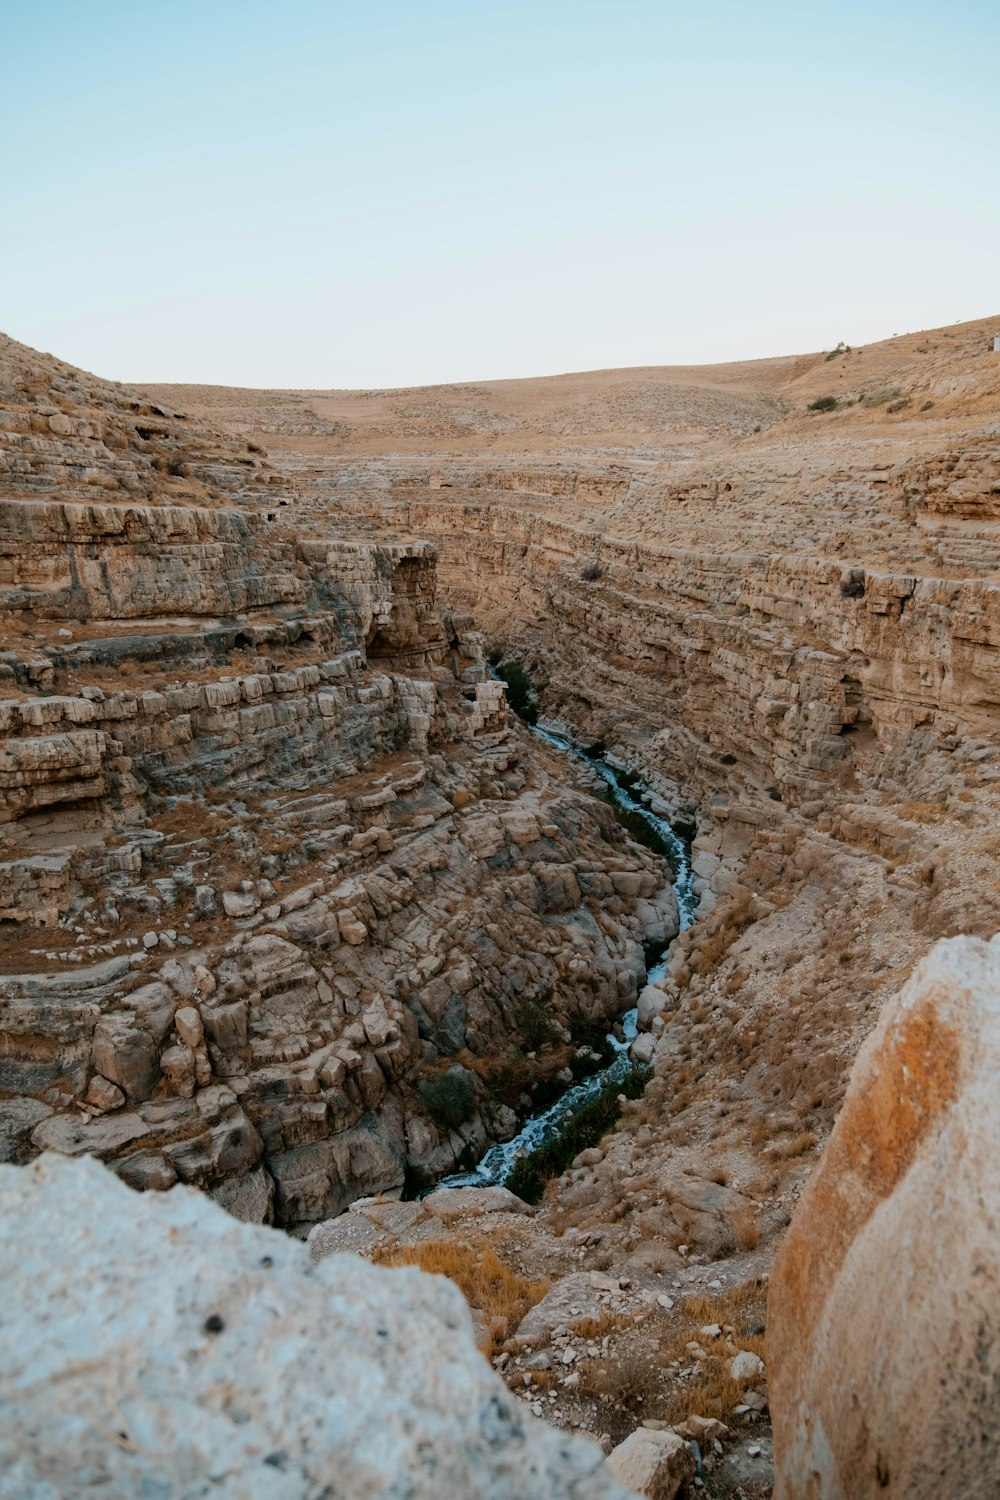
[388,193]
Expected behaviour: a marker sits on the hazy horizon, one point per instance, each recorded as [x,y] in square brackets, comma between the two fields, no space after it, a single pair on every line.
[325,196]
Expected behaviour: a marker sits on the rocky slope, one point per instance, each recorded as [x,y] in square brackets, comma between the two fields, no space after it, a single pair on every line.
[277,876]
[772,591]
[283,884]
[793,629]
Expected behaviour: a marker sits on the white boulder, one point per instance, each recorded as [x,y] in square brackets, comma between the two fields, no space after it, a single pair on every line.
[154,1345]
[654,1464]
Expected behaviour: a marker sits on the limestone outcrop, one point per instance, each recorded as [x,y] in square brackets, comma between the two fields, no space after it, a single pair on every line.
[273,860]
[883,1326]
[283,884]
[159,1346]
[783,619]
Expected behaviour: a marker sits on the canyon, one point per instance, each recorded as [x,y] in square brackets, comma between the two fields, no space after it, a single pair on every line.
[295,910]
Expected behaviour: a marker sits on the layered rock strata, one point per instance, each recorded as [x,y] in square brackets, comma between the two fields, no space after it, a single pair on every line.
[777,608]
[273,862]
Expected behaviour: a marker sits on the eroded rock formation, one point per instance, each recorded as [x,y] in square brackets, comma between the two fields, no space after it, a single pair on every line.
[783,617]
[272,858]
[330,871]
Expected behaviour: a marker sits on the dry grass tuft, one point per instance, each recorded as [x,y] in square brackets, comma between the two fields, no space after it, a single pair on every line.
[501,1296]
[725,926]
[597,1328]
[745,1226]
[711,1391]
[913,811]
[797,1146]
[629,1379]
[743,1306]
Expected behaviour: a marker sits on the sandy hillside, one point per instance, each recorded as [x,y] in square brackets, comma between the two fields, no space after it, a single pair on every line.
[631,410]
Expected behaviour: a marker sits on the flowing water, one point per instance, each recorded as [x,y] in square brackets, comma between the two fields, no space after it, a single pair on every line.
[497,1164]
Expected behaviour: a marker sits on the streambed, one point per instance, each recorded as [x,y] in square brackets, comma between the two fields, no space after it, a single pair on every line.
[625,794]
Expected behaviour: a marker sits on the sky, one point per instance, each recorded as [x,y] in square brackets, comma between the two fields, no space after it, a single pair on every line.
[408,192]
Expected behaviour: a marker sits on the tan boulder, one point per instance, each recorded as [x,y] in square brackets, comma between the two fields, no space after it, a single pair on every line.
[654,1464]
[884,1306]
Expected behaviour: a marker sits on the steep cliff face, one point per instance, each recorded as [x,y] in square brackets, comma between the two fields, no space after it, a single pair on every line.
[272,858]
[791,661]
[785,618]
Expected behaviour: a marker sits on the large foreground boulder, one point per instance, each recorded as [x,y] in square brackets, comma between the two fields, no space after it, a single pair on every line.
[153,1345]
[884,1307]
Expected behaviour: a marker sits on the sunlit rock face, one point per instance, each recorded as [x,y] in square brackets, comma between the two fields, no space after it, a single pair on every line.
[883,1327]
[273,854]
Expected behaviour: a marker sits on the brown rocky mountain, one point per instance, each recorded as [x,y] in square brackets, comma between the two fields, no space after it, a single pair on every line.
[294,910]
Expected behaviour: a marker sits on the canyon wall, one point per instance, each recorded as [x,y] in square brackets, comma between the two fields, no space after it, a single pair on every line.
[782,619]
[276,872]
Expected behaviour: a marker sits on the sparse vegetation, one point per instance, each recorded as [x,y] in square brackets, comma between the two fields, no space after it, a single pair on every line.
[712,1391]
[449,1098]
[491,1288]
[823,403]
[585,1129]
[881,396]
[592,572]
[790,1149]
[630,1379]
[745,1226]
[727,923]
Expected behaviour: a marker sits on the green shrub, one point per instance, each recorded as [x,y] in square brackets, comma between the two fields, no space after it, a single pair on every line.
[535,1027]
[520,690]
[586,1034]
[584,1129]
[728,760]
[823,403]
[449,1098]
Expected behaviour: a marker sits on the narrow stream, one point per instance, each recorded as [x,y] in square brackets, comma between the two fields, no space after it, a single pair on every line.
[495,1167]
